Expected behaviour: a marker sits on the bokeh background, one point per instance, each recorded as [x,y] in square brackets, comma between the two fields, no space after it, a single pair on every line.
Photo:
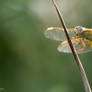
[28,61]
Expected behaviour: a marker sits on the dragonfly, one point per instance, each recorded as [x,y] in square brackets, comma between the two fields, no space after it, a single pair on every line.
[81,38]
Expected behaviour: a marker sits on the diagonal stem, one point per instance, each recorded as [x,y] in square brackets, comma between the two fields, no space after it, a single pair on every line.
[76,57]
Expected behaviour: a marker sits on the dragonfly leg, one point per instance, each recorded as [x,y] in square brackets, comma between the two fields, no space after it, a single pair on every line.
[83,44]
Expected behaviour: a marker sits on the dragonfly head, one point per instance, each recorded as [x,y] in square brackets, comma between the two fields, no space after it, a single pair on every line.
[79,31]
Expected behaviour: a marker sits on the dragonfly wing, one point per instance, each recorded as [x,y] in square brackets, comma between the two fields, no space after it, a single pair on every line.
[57,33]
[64,46]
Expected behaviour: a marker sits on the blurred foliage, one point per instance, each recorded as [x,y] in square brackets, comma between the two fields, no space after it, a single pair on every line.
[28,61]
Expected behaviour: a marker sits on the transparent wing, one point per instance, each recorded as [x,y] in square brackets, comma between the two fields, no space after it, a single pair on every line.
[57,33]
[64,46]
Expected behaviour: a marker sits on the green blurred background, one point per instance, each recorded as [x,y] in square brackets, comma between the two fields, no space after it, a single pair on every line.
[28,61]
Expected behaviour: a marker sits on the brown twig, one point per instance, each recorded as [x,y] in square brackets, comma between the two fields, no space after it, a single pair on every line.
[79,64]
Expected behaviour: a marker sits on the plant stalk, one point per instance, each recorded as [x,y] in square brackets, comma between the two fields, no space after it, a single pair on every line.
[74,52]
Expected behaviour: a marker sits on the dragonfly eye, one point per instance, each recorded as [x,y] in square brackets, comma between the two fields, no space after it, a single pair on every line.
[79,30]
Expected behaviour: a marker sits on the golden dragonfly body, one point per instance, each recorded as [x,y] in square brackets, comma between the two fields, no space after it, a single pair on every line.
[81,38]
